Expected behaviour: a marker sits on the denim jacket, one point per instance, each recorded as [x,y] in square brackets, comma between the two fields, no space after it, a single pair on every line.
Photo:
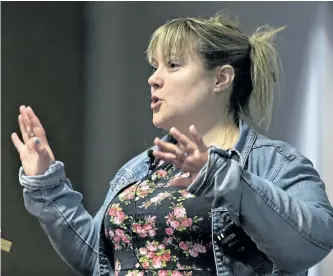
[268,187]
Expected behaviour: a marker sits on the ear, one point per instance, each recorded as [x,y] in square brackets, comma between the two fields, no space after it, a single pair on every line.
[224,77]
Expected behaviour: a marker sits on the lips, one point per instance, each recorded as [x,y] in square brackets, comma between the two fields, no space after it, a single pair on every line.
[155,102]
[155,105]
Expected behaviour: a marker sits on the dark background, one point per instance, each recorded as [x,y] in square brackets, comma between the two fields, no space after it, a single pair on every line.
[81,66]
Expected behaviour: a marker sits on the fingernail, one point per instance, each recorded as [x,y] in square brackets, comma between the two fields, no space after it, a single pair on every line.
[37,142]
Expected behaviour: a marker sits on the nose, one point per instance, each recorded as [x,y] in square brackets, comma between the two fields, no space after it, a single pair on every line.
[155,81]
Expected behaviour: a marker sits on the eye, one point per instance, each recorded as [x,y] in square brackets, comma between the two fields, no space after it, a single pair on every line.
[173,65]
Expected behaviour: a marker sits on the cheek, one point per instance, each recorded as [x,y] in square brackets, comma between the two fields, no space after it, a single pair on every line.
[188,91]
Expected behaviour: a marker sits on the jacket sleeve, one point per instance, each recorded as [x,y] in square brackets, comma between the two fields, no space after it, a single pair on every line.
[71,230]
[290,218]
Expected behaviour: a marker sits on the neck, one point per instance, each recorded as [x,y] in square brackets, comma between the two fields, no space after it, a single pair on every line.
[224,134]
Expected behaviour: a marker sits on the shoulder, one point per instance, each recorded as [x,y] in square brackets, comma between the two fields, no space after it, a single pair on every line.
[133,168]
[270,158]
[280,148]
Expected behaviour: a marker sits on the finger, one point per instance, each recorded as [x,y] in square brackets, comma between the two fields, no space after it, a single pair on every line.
[180,182]
[25,120]
[197,139]
[33,118]
[178,164]
[17,142]
[183,140]
[169,147]
[168,157]
[24,133]
[36,125]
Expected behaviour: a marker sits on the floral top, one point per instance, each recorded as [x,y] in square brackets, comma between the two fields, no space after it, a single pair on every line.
[156,229]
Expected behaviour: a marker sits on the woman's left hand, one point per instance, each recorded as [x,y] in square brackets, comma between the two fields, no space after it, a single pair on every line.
[188,155]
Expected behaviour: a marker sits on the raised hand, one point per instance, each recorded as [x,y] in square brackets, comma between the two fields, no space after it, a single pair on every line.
[35,153]
[190,155]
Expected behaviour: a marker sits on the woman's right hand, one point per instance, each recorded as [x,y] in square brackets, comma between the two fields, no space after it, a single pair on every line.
[35,152]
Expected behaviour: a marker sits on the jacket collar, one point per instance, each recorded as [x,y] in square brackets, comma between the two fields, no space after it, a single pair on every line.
[243,146]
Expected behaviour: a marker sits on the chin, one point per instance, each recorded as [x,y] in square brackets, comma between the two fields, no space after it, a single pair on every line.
[161,121]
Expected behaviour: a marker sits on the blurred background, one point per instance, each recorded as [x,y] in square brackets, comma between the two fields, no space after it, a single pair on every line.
[82,68]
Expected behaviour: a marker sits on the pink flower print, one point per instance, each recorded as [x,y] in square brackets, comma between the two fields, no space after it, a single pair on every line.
[200,248]
[161,246]
[162,273]
[150,219]
[111,233]
[174,224]
[157,262]
[116,239]
[145,265]
[166,257]
[151,255]
[119,232]
[152,233]
[112,211]
[147,227]
[136,226]
[176,273]
[144,187]
[143,251]
[193,252]
[183,246]
[152,247]
[143,234]
[167,240]
[125,239]
[187,222]
[120,216]
[140,273]
[129,196]
[179,212]
[169,231]
[162,173]
[117,247]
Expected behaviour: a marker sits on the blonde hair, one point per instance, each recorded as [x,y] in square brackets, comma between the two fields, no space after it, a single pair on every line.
[219,41]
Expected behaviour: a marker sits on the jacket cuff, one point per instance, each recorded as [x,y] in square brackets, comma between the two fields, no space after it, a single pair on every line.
[218,182]
[205,179]
[53,176]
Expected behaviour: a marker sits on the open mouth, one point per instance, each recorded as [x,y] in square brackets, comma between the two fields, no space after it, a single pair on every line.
[155,102]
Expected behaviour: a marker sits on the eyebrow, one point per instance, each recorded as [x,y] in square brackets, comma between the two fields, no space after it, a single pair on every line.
[172,55]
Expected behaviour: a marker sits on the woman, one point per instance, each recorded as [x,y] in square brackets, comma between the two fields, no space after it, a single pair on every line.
[212,198]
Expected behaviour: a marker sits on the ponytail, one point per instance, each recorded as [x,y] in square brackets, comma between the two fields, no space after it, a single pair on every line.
[265,72]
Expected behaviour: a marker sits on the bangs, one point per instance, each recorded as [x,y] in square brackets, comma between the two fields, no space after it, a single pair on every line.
[176,37]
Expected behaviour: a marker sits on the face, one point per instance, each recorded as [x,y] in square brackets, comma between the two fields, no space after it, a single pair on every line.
[182,92]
